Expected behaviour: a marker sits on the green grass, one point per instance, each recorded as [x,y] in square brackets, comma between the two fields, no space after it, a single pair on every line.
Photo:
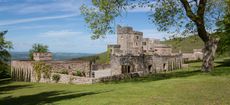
[182,87]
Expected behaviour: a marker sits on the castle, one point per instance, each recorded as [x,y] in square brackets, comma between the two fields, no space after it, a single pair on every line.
[132,54]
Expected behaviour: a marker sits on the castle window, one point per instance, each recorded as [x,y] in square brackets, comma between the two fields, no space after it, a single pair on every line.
[137,37]
[144,43]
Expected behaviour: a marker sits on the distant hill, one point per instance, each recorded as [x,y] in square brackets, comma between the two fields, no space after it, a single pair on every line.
[186,44]
[56,56]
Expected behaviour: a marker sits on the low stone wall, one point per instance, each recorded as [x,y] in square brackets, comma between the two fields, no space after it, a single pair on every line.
[118,77]
[102,73]
[66,79]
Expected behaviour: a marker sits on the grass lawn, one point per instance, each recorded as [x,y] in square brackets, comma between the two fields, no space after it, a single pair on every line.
[181,87]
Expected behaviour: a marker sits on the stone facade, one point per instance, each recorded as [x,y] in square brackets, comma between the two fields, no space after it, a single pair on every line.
[196,55]
[42,56]
[133,53]
[23,70]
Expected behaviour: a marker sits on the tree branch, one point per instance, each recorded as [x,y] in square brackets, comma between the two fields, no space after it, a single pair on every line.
[201,8]
[188,10]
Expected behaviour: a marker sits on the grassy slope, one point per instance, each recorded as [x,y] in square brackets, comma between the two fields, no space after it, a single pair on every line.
[185,44]
[101,58]
[182,87]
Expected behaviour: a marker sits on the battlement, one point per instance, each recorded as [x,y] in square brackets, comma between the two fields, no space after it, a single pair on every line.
[127,30]
[124,30]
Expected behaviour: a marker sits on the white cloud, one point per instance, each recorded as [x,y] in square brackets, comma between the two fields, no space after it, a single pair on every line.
[17,21]
[60,34]
[63,6]
[37,6]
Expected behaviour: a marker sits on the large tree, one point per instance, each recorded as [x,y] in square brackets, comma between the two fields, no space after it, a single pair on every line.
[183,17]
[4,55]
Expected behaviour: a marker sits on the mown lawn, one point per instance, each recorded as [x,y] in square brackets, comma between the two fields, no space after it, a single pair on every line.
[181,87]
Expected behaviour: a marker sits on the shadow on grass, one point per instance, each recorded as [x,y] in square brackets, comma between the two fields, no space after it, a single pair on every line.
[6,87]
[224,63]
[5,81]
[44,98]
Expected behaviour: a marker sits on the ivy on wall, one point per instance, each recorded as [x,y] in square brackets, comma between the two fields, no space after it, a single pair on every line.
[41,67]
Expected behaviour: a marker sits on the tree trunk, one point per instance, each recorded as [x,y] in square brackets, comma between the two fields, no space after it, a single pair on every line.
[209,54]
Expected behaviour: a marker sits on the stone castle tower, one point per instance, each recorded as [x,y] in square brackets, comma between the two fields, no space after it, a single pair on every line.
[130,40]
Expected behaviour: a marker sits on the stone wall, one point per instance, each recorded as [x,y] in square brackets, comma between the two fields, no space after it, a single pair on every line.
[66,79]
[146,63]
[196,55]
[102,73]
[71,66]
[23,70]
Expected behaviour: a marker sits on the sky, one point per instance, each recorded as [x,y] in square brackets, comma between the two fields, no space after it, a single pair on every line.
[59,24]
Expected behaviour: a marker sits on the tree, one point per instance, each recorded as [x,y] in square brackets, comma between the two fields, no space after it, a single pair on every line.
[224,29]
[37,48]
[4,55]
[183,17]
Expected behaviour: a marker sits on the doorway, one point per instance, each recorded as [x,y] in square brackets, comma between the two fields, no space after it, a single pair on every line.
[125,69]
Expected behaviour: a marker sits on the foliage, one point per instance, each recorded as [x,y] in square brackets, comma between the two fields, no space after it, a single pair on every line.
[4,55]
[46,71]
[56,77]
[224,28]
[4,71]
[79,73]
[168,15]
[37,48]
[41,67]
[64,71]
[99,19]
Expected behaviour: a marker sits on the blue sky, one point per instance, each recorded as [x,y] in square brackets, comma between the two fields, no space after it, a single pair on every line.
[58,24]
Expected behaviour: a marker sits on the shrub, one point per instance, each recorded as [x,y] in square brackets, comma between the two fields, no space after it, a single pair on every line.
[42,67]
[64,71]
[47,71]
[78,73]
[56,77]
[4,71]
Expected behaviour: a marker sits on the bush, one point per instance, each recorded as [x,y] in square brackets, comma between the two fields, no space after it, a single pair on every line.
[56,77]
[64,71]
[78,73]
